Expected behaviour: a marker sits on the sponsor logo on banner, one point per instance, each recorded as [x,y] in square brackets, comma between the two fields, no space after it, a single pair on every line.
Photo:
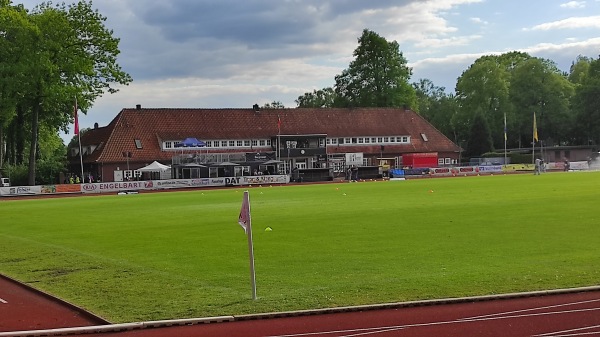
[89,187]
[491,168]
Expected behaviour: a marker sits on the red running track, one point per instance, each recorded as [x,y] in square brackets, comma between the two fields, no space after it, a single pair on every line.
[24,308]
[576,314]
[555,315]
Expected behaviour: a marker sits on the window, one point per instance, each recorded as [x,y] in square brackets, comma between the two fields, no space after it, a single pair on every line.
[138,144]
[239,143]
[254,142]
[440,161]
[379,139]
[373,140]
[232,143]
[168,145]
[354,140]
[424,136]
[398,139]
[216,144]
[360,140]
[334,141]
[321,142]
[347,140]
[176,143]
[223,143]
[246,143]
[386,139]
[328,141]
[209,143]
[447,161]
[262,142]
[367,140]
[268,142]
[405,139]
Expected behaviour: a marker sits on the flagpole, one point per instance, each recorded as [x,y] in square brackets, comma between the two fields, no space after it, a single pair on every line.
[533,140]
[505,136]
[79,140]
[81,159]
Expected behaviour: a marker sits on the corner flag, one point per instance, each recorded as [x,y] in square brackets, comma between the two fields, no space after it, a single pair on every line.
[244,218]
[245,221]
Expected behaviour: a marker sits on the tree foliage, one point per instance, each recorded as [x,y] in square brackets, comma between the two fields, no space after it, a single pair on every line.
[587,106]
[58,54]
[377,77]
[323,98]
[480,137]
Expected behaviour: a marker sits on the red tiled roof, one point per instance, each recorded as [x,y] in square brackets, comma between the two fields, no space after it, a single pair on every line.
[154,125]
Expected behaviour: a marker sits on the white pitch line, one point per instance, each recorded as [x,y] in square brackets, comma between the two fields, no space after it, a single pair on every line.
[3,301]
[552,334]
[502,313]
[597,333]
[456,321]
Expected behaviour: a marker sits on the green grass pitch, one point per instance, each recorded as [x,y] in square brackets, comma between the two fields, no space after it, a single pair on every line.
[182,254]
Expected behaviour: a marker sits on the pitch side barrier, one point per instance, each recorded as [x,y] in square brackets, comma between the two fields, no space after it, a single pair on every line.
[128,186]
[493,169]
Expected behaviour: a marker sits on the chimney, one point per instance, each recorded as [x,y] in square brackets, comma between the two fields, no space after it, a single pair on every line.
[256,108]
[138,107]
[95,125]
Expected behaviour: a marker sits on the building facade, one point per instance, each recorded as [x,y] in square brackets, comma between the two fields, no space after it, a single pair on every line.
[310,144]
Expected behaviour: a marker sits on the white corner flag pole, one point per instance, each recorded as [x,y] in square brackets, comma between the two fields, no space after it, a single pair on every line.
[245,220]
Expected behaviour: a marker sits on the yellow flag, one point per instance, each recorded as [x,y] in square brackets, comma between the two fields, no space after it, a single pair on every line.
[535,134]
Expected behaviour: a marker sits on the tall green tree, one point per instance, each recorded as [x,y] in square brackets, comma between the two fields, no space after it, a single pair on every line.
[68,54]
[438,107]
[480,137]
[377,77]
[579,69]
[586,103]
[322,98]
[484,88]
[15,29]
[537,85]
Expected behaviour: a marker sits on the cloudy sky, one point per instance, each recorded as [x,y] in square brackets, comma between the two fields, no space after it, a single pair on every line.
[234,53]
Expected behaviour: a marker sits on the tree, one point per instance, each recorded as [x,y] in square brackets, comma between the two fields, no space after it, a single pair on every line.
[538,86]
[15,29]
[68,54]
[586,103]
[483,88]
[438,107]
[579,69]
[273,105]
[377,77]
[323,98]
[480,138]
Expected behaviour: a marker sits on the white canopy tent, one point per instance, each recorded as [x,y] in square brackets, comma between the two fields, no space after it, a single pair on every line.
[157,170]
[155,167]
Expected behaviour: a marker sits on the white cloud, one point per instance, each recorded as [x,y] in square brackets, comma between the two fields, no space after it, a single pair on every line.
[479,21]
[574,4]
[569,23]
